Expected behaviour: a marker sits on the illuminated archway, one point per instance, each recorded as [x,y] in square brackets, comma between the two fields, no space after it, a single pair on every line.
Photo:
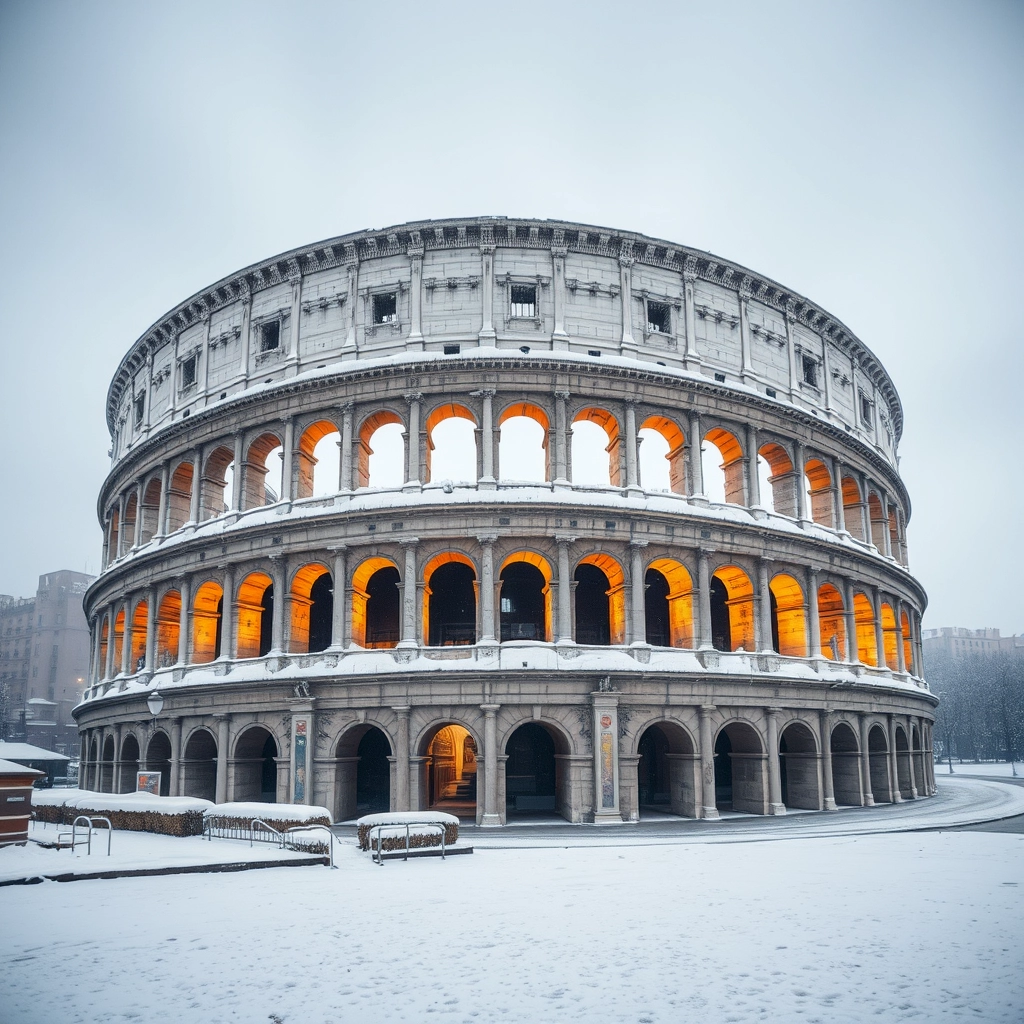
[376,603]
[831,622]
[449,605]
[118,641]
[864,619]
[450,771]
[908,644]
[732,610]
[140,625]
[600,601]
[890,637]
[207,607]
[525,597]
[255,600]
[312,609]
[668,604]
[789,620]
[168,629]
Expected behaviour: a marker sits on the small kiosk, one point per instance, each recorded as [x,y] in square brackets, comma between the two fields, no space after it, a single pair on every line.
[15,801]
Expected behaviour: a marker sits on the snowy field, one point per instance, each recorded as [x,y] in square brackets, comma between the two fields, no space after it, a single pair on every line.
[995,770]
[912,926]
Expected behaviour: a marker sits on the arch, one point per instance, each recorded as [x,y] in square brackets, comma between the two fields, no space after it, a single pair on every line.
[600,600]
[150,510]
[371,471]
[890,637]
[449,433]
[255,763]
[376,603]
[254,598]
[523,449]
[316,462]
[789,618]
[781,479]
[896,541]
[140,626]
[525,605]
[908,644]
[672,449]
[731,467]
[107,766]
[104,642]
[199,765]
[853,504]
[119,640]
[207,607]
[168,628]
[732,609]
[741,782]
[587,465]
[179,496]
[536,777]
[878,762]
[158,759]
[831,622]
[449,605]
[864,620]
[214,483]
[312,608]
[878,523]
[259,479]
[114,535]
[668,605]
[903,764]
[129,763]
[846,780]
[449,780]
[363,774]
[131,512]
[819,492]
[800,767]
[668,772]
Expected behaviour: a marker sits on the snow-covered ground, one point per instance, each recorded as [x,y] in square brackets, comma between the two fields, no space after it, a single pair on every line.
[923,926]
[994,769]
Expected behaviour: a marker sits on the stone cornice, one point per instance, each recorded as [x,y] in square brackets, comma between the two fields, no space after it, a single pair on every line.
[500,232]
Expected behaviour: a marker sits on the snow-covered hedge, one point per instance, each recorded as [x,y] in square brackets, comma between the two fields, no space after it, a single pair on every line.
[278,816]
[393,837]
[131,812]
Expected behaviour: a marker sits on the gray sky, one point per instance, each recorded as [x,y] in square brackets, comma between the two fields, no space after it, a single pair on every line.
[868,155]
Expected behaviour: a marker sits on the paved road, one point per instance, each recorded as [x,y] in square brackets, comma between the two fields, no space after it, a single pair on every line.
[1015,824]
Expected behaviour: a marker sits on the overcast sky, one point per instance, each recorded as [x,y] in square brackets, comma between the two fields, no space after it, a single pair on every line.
[867,155]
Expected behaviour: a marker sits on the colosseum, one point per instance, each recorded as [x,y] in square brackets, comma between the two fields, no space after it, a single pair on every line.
[506,518]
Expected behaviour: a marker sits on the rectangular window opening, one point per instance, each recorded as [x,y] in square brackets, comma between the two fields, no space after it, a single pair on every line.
[188,372]
[270,336]
[770,392]
[865,409]
[659,318]
[720,377]
[140,409]
[385,308]
[452,350]
[524,300]
[810,371]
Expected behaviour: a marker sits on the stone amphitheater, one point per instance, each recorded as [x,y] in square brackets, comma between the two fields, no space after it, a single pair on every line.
[508,518]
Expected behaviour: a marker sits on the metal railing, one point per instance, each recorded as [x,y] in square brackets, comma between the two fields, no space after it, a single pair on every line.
[222,826]
[377,833]
[89,823]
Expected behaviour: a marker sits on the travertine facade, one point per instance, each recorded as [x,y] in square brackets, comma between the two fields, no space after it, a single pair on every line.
[492,644]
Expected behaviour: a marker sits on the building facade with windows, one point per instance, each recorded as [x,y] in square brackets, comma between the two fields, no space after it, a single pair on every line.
[640,543]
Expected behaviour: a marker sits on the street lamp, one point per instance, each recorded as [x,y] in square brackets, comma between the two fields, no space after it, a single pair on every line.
[155,703]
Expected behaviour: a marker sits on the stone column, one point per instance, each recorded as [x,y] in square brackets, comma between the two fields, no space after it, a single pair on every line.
[115,773]
[197,482]
[876,607]
[339,617]
[910,745]
[345,454]
[415,253]
[565,633]
[865,511]
[352,269]
[606,758]
[802,512]
[126,641]
[826,373]
[96,631]
[886,535]
[238,474]
[865,761]
[765,641]
[691,360]
[223,721]
[409,582]
[753,481]
[894,775]
[229,614]
[794,380]
[901,659]
[837,492]
[852,644]
[709,809]
[628,344]
[746,367]
[491,817]
[121,546]
[561,439]
[487,476]
[412,443]
[775,804]
[693,446]
[111,618]
[174,783]
[279,574]
[825,733]
[632,474]
[637,588]
[488,630]
[704,601]
[813,620]
[487,332]
[559,337]
[402,759]
[184,588]
[288,460]
[161,515]
[151,631]
[137,533]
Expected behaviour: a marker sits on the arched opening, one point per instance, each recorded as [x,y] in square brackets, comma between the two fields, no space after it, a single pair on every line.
[668,604]
[523,452]
[722,467]
[168,628]
[213,492]
[451,444]
[864,619]
[158,759]
[114,536]
[206,622]
[263,467]
[878,761]
[129,763]
[600,601]
[363,774]
[846,766]
[376,604]
[798,767]
[777,479]
[140,625]
[131,512]
[525,597]
[662,455]
[199,766]
[255,599]
[381,451]
[150,510]
[878,521]
[917,752]
[450,601]
[318,458]
[732,610]
[895,535]
[595,449]
[908,644]
[789,620]
[179,496]
[107,766]
[831,623]
[853,504]
[668,771]
[740,783]
[450,771]
[312,609]
[104,642]
[534,773]
[256,766]
[890,637]
[903,764]
[118,641]
[818,482]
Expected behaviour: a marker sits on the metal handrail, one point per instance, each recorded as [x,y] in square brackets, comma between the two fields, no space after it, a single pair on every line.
[377,830]
[309,828]
[89,825]
[266,828]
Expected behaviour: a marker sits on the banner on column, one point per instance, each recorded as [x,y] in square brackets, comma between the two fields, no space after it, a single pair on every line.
[299,788]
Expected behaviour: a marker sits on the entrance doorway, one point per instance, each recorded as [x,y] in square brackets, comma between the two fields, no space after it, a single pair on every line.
[451,770]
[530,772]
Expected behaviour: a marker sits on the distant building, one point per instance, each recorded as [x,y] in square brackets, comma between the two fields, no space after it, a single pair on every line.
[44,661]
[950,640]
